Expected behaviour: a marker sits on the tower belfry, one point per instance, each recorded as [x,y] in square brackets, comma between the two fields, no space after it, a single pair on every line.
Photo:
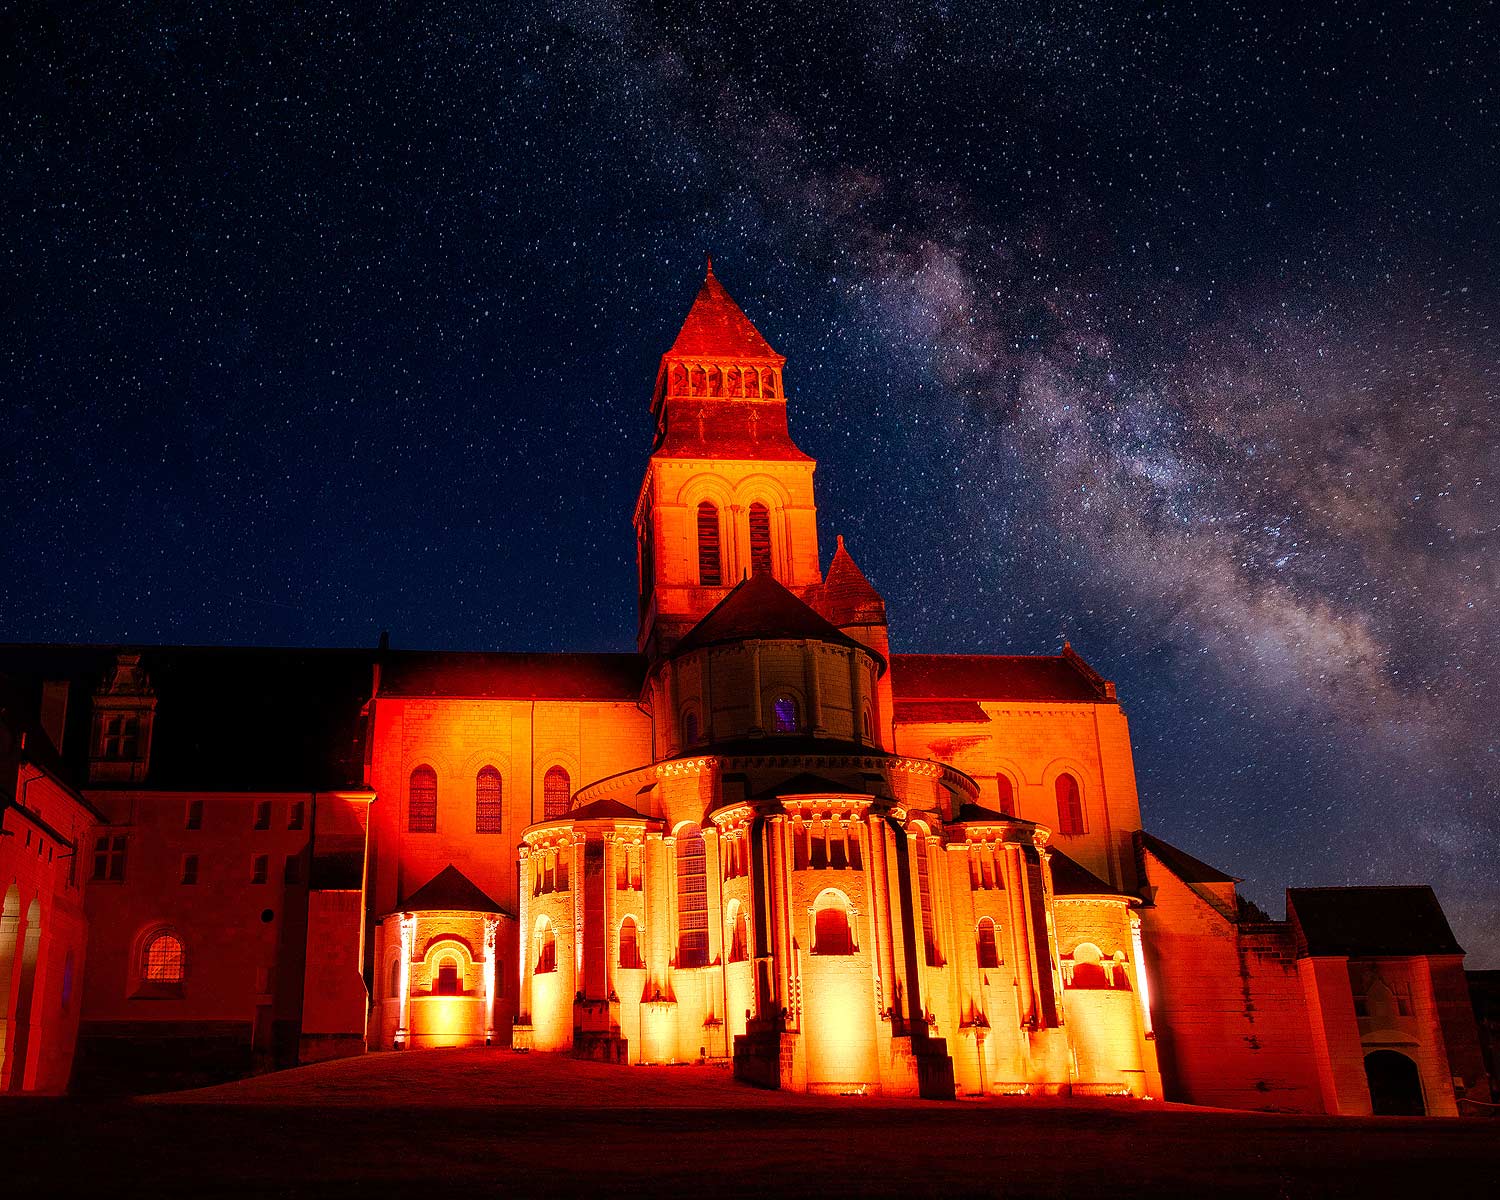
[727,492]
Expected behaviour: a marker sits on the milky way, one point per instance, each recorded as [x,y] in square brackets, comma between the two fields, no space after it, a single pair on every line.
[1169,333]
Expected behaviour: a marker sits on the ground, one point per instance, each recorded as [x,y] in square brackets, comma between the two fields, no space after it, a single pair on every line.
[460,1122]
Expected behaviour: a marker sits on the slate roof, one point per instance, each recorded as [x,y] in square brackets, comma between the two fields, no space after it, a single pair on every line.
[939,712]
[699,427]
[227,718]
[1055,678]
[845,596]
[1181,863]
[760,607]
[1368,922]
[606,810]
[512,676]
[450,890]
[1070,878]
[716,327]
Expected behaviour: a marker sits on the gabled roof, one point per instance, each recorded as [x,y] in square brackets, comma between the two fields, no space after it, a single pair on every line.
[1369,922]
[845,596]
[716,327]
[450,890]
[1182,864]
[512,676]
[1055,678]
[760,607]
[1071,878]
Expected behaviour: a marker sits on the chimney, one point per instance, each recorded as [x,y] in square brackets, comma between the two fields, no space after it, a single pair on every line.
[54,714]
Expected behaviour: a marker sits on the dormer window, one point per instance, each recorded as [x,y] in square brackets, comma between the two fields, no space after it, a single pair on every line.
[122,737]
[123,710]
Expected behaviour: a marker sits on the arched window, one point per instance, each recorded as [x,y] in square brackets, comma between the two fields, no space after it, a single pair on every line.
[1069,805]
[692,899]
[448,981]
[557,789]
[393,985]
[739,935]
[867,727]
[715,381]
[989,950]
[831,932]
[710,566]
[488,817]
[163,960]
[1088,967]
[421,801]
[630,949]
[760,538]
[546,948]
[690,728]
[700,381]
[752,383]
[677,385]
[732,382]
[770,385]
[784,714]
[1007,794]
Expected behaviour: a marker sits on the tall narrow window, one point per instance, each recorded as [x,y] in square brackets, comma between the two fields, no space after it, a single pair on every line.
[447,978]
[260,868]
[189,868]
[739,937]
[546,948]
[924,897]
[692,899]
[690,728]
[194,814]
[989,950]
[421,801]
[630,951]
[1007,794]
[297,817]
[1069,805]
[760,538]
[710,565]
[557,789]
[109,858]
[263,815]
[784,714]
[487,812]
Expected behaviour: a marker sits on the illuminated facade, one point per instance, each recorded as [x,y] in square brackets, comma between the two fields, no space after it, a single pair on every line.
[764,839]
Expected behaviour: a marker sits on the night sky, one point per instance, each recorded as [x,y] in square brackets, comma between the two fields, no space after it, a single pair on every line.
[1168,330]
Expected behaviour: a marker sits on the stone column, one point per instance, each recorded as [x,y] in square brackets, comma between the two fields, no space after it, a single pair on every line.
[408,926]
[814,689]
[523,941]
[857,698]
[757,719]
[491,940]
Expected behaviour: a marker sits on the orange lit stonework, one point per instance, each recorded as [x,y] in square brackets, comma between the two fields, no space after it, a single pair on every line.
[764,840]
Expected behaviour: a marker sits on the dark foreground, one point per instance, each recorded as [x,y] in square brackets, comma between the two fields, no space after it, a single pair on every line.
[475,1122]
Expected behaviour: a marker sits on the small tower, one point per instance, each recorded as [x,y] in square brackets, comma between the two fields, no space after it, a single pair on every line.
[727,493]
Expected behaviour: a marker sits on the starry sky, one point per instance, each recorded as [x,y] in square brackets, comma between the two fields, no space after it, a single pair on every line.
[1170,330]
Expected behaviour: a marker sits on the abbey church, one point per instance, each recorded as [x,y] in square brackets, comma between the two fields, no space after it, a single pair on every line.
[766,840]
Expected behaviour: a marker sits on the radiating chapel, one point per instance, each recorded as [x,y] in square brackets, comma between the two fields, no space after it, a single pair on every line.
[765,840]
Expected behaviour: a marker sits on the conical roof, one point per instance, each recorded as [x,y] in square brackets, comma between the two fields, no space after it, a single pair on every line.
[716,327]
[759,607]
[450,890]
[846,597]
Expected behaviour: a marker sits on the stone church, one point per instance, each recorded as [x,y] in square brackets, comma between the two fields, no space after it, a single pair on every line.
[766,839]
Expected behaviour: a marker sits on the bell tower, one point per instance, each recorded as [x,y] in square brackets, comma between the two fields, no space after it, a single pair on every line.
[727,493]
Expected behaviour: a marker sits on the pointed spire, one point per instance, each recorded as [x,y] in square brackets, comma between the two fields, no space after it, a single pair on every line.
[716,327]
[846,597]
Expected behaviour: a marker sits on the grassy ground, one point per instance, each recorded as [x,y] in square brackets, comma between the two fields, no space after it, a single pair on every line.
[448,1123]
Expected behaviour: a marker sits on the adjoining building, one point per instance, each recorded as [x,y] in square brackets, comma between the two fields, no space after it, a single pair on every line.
[764,839]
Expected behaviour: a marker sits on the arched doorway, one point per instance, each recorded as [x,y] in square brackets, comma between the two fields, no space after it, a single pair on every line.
[1395,1085]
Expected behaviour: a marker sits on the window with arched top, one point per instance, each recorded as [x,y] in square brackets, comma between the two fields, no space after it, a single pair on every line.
[546,948]
[677,381]
[784,717]
[739,935]
[1069,805]
[488,814]
[710,561]
[715,381]
[692,898]
[988,948]
[163,960]
[557,790]
[700,381]
[630,946]
[760,539]
[768,388]
[449,981]
[732,382]
[1089,969]
[752,383]
[421,801]
[690,728]
[831,931]
[393,980]
[1006,792]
